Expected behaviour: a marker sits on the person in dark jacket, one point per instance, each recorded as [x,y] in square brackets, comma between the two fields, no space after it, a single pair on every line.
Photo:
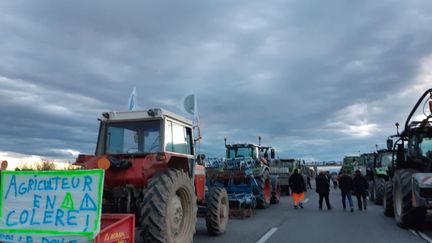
[298,187]
[323,189]
[361,186]
[346,186]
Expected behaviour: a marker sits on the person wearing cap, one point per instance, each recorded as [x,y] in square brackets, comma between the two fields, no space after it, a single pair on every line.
[360,185]
[346,186]
[322,185]
[298,187]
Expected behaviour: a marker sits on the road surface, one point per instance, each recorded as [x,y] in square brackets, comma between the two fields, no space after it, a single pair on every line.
[283,223]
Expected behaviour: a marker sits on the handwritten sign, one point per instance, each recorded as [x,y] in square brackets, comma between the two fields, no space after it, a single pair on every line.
[50,204]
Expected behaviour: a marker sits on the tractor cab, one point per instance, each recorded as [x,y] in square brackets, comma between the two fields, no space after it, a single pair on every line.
[383,159]
[134,144]
[143,132]
[414,149]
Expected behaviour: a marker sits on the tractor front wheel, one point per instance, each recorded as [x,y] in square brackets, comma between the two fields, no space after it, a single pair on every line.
[217,211]
[168,209]
[379,190]
[405,214]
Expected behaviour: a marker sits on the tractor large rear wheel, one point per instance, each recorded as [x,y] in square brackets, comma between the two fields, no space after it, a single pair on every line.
[388,199]
[276,190]
[379,190]
[405,214]
[217,211]
[168,211]
[263,190]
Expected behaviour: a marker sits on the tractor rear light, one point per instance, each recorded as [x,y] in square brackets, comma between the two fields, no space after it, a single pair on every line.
[103,163]
[161,157]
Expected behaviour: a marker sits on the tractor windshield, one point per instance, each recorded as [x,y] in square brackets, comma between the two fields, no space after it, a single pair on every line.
[236,152]
[426,147]
[133,137]
[386,159]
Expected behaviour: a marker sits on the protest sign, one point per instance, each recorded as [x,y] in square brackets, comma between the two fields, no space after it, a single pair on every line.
[50,204]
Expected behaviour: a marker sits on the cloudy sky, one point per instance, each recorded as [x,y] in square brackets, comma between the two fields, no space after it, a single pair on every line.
[317,80]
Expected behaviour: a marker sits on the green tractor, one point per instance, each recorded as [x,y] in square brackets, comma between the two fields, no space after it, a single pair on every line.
[349,163]
[381,163]
[409,195]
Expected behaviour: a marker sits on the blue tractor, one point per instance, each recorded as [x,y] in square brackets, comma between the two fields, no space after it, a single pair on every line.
[245,174]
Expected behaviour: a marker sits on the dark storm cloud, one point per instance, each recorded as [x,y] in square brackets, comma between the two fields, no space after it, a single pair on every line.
[315,80]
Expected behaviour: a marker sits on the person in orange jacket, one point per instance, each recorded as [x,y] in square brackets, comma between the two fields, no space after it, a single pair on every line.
[298,188]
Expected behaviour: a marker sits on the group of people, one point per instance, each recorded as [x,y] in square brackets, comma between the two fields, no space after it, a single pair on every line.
[357,185]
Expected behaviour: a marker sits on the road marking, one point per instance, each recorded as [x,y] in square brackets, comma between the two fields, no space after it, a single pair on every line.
[267,235]
[425,237]
[414,232]
[306,200]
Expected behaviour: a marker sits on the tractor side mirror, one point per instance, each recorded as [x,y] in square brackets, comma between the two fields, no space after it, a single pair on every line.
[200,159]
[389,144]
[272,153]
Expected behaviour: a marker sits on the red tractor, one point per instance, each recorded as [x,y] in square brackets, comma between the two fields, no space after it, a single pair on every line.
[150,170]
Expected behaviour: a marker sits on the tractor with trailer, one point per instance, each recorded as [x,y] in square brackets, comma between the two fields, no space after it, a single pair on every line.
[381,164]
[245,174]
[151,171]
[410,193]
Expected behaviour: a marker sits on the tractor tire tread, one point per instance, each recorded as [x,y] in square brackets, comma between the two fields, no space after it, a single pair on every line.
[217,199]
[153,213]
[262,202]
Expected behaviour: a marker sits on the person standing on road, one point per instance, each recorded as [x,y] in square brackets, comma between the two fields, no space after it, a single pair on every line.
[308,181]
[346,186]
[334,180]
[323,189]
[361,186]
[298,187]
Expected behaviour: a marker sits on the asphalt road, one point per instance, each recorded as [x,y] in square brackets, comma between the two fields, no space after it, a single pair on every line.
[283,223]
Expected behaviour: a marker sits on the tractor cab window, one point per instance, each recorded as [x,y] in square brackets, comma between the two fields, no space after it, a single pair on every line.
[178,138]
[425,147]
[133,137]
[386,160]
[236,152]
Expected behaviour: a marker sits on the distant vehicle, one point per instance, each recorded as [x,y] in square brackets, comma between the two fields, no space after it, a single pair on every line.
[382,162]
[349,163]
[283,168]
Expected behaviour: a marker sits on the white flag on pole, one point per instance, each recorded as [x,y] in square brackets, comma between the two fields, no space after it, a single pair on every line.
[132,100]
[189,104]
